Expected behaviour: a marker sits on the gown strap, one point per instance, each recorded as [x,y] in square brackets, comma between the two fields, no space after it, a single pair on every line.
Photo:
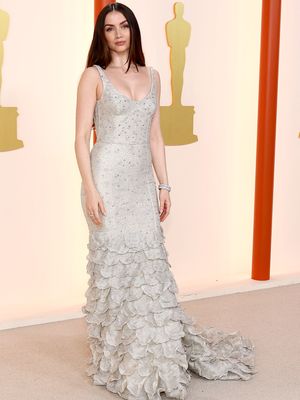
[102,76]
[152,78]
[100,70]
[153,81]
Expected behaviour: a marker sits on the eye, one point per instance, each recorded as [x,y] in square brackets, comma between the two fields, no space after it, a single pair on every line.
[108,29]
[125,26]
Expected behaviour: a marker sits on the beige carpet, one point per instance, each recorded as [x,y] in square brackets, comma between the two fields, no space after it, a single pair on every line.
[47,362]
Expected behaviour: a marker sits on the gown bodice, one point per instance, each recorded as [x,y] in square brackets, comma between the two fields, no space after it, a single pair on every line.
[119,119]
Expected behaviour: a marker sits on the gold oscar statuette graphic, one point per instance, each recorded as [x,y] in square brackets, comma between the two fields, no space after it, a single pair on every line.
[176,119]
[8,115]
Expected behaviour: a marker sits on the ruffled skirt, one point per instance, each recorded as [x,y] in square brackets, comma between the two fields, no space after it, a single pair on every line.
[142,342]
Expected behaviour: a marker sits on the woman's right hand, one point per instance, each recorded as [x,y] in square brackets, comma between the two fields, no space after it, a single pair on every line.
[94,203]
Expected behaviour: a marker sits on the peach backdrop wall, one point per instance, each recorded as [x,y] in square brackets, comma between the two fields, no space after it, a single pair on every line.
[209,231]
[43,236]
[285,255]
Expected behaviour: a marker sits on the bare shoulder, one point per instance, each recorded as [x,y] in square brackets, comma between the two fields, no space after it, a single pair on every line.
[89,79]
[89,86]
[89,73]
[156,76]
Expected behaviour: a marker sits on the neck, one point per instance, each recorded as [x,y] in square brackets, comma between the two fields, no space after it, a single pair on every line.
[119,60]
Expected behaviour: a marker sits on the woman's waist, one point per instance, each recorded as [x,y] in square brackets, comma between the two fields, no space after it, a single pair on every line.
[116,156]
[122,142]
[121,175]
[122,152]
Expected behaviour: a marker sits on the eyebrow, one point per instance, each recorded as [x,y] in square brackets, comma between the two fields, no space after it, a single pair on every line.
[125,20]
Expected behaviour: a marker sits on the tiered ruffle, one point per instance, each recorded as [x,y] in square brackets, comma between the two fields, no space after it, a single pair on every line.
[142,342]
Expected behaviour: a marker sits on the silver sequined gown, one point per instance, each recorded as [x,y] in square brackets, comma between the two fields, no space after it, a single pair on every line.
[141,341]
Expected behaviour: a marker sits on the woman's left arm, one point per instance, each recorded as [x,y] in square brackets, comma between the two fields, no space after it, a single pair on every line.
[158,154]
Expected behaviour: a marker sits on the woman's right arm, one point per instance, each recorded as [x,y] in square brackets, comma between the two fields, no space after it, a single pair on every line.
[86,100]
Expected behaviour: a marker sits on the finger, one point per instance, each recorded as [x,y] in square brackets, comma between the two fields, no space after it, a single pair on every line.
[165,212]
[90,214]
[102,208]
[97,216]
[168,207]
[92,217]
[162,206]
[163,215]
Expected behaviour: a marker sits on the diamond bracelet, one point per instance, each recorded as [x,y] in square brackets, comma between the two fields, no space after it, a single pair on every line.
[164,186]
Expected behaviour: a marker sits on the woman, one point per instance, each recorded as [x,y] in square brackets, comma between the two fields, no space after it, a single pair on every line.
[142,343]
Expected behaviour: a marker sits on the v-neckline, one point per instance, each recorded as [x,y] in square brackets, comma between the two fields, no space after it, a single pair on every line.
[124,95]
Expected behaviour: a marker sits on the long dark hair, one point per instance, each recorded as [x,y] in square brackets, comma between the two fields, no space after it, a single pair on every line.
[99,52]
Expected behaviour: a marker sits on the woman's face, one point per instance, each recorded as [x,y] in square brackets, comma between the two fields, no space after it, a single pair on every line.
[117,31]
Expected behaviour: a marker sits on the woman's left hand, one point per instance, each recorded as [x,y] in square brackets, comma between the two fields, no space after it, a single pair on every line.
[165,204]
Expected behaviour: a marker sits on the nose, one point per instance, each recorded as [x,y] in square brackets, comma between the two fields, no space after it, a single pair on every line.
[118,33]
